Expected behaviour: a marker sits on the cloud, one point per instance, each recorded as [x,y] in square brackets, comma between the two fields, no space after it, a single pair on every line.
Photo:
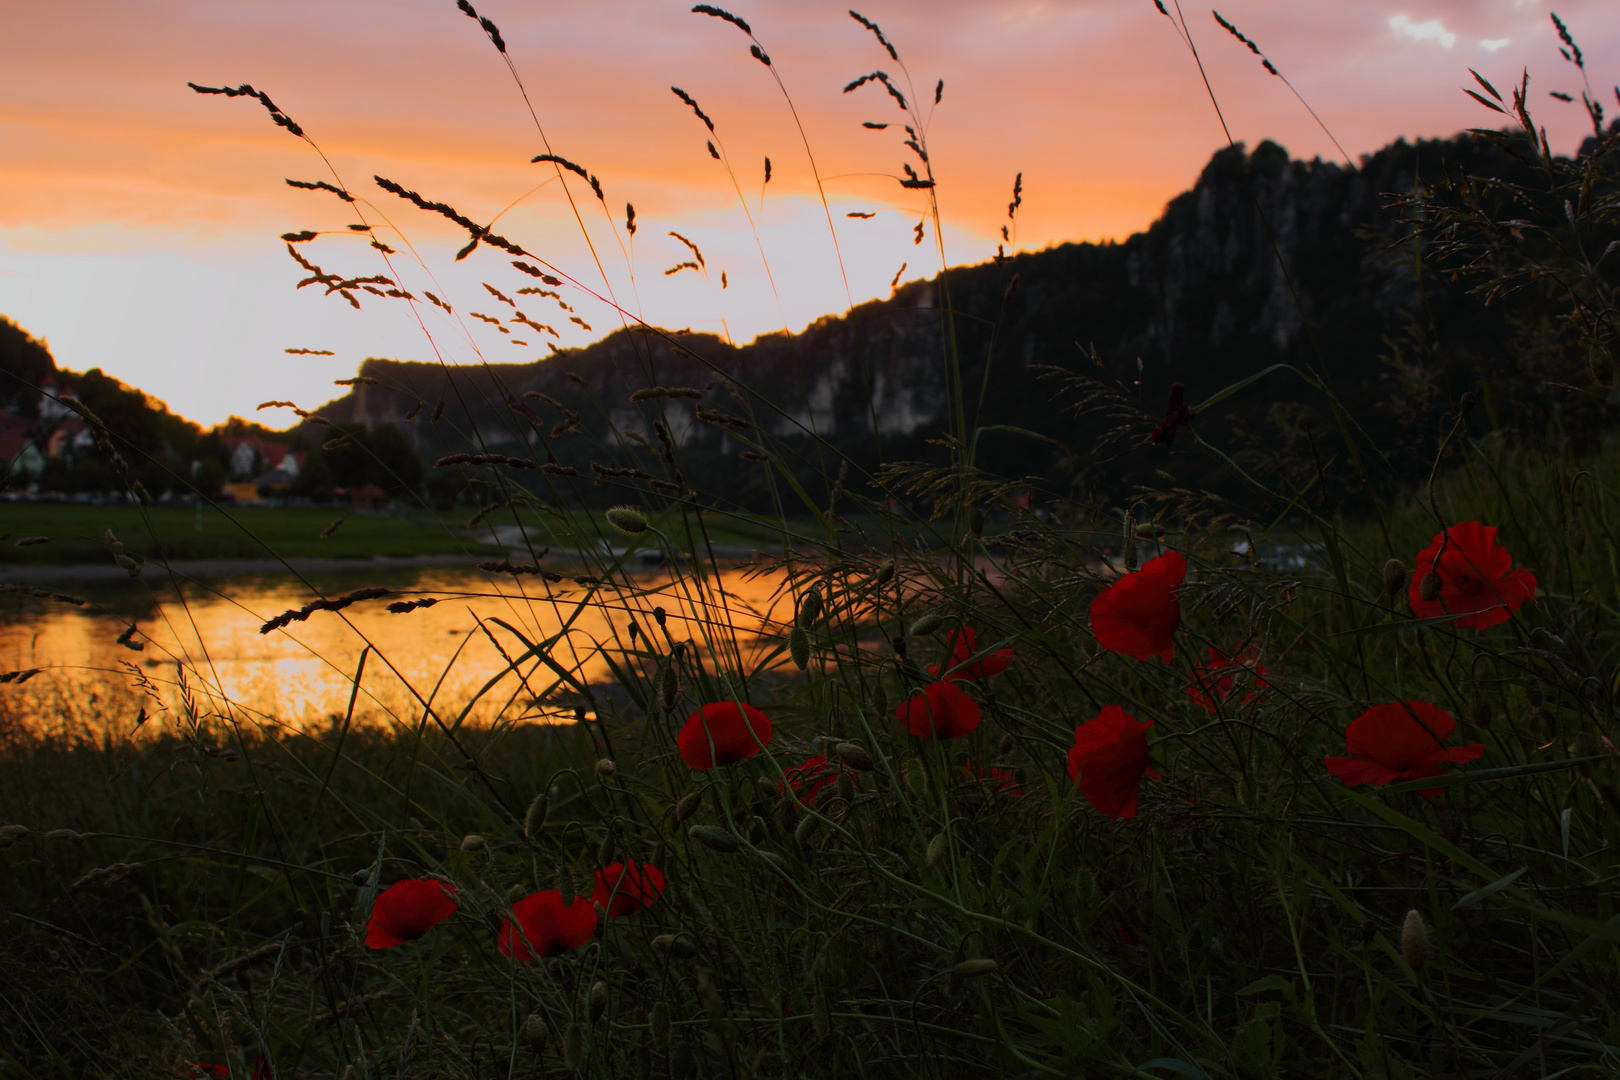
[1424,31]
[1492,44]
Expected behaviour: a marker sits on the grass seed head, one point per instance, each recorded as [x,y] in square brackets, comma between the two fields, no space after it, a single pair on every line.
[1415,941]
[658,1024]
[670,688]
[1394,577]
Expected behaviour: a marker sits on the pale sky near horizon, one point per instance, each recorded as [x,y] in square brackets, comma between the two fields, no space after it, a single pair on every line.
[139,220]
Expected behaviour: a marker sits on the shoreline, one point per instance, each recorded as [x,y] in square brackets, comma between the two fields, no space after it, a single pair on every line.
[39,573]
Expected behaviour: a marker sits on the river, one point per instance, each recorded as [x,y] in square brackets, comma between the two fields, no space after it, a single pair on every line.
[199,641]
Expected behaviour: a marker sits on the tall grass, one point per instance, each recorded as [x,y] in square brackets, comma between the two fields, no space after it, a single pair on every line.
[198,897]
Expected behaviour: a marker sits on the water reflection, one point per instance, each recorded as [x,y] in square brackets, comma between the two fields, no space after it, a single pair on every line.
[202,639]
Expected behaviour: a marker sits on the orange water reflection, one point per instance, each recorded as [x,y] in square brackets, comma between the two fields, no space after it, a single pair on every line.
[204,638]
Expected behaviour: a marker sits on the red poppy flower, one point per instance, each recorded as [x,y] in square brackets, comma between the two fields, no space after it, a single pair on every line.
[722,732]
[1403,740]
[1109,758]
[1214,681]
[548,927]
[408,909]
[1177,414]
[809,780]
[939,711]
[630,886]
[1138,614]
[994,780]
[1477,578]
[964,646]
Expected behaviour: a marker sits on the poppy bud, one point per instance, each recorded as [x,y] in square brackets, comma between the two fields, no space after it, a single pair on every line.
[606,768]
[535,820]
[1534,695]
[680,946]
[972,969]
[658,616]
[535,1033]
[821,1015]
[775,860]
[628,520]
[1575,533]
[927,624]
[1479,708]
[517,891]
[1394,577]
[573,1046]
[714,838]
[799,647]
[916,778]
[1545,640]
[880,699]
[788,814]
[899,644]
[855,756]
[670,688]
[360,878]
[688,805]
[810,607]
[976,522]
[1429,588]
[472,843]
[757,830]
[1149,530]
[349,1073]
[658,1024]
[846,787]
[884,573]
[10,834]
[1415,941]
[682,1063]
[598,1000]
[936,849]
[566,885]
[1007,745]
[604,853]
[806,829]
[1130,547]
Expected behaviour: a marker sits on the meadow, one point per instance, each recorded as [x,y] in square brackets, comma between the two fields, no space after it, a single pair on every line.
[1316,779]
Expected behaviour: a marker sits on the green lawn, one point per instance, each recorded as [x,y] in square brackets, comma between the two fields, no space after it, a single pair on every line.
[76,533]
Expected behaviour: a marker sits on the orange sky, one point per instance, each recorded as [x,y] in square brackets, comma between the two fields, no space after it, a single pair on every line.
[138,221]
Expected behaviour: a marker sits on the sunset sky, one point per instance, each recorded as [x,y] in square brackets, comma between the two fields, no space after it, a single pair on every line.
[139,220]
